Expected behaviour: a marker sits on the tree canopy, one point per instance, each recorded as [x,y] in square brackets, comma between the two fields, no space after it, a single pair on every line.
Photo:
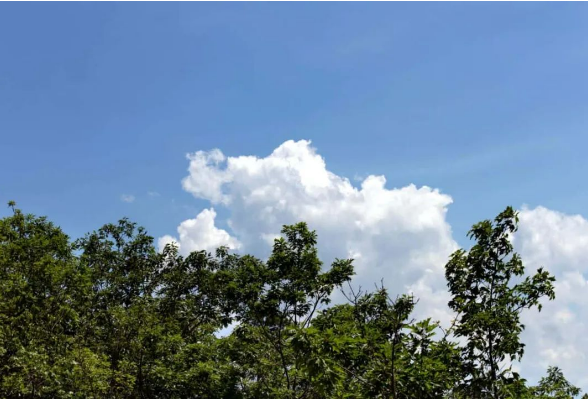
[109,316]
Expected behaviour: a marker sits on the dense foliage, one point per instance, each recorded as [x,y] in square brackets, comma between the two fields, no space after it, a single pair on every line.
[108,316]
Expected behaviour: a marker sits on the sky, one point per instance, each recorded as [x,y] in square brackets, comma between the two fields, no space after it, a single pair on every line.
[389,127]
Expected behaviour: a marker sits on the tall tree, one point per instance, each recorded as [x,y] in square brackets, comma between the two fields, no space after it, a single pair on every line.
[488,303]
[120,319]
[42,292]
[275,299]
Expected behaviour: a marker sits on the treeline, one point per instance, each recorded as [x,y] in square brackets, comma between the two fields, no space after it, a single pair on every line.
[108,316]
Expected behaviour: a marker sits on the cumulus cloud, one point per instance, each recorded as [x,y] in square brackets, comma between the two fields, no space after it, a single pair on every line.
[398,234]
[206,179]
[200,233]
[557,335]
[127,198]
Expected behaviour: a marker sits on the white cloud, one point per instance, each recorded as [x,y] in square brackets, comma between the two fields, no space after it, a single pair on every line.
[200,233]
[153,194]
[127,198]
[399,234]
[557,335]
[205,179]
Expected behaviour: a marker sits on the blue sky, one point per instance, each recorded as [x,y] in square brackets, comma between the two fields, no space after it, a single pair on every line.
[488,102]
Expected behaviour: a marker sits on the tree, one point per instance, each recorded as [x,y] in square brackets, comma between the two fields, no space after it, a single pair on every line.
[41,303]
[372,348]
[275,299]
[109,316]
[488,304]
[192,304]
[555,386]
[434,366]
[120,320]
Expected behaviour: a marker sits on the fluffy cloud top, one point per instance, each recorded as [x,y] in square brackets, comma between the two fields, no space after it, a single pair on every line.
[200,233]
[557,240]
[398,234]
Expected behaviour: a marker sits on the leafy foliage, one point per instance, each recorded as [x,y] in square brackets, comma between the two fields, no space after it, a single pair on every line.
[555,386]
[108,316]
[489,304]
